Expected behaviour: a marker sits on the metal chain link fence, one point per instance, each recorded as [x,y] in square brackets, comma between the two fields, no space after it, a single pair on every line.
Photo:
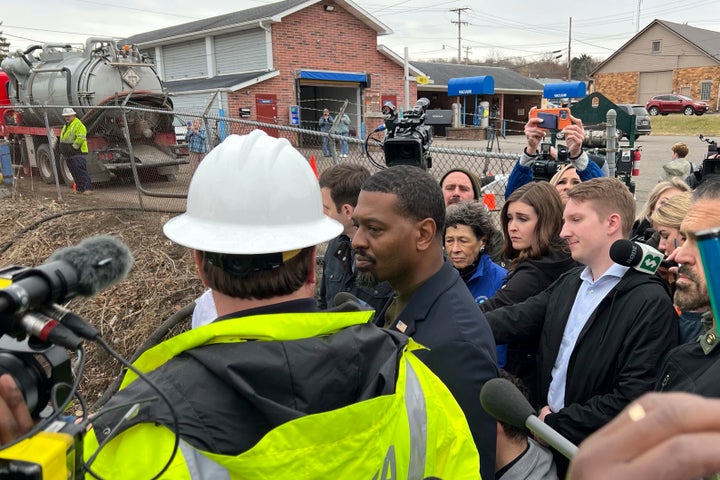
[139,156]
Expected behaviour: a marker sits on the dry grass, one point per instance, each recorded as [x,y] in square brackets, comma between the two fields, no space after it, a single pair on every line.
[162,281]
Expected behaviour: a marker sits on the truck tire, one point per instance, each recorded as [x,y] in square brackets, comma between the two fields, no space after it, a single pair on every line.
[64,172]
[44,164]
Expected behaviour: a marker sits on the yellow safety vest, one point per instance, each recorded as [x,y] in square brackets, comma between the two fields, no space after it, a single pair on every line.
[75,134]
[418,431]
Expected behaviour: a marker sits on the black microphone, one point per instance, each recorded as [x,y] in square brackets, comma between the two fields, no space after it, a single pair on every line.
[504,402]
[639,256]
[85,269]
[345,301]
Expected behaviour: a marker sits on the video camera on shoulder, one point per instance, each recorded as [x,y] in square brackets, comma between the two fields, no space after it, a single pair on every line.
[545,167]
[552,118]
[408,139]
[710,165]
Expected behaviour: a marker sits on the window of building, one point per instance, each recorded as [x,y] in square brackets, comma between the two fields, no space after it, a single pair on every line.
[705,90]
[655,47]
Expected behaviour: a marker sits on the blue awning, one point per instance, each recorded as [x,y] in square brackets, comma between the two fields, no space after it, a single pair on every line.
[471,86]
[334,76]
[564,90]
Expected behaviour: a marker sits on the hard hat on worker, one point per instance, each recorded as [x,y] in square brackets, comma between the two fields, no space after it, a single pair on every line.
[67,111]
[253,194]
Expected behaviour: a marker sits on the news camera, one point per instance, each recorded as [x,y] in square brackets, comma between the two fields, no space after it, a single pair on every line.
[710,165]
[35,336]
[407,139]
[545,167]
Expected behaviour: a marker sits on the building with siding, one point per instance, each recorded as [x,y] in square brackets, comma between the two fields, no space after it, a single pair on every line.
[259,62]
[664,57]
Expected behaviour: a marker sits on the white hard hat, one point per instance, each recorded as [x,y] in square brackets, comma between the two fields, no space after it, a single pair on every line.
[67,111]
[253,194]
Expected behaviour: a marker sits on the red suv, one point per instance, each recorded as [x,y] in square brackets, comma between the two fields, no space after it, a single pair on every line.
[664,104]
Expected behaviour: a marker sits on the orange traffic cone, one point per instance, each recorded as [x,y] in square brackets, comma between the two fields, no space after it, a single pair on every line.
[74,187]
[313,165]
[489,201]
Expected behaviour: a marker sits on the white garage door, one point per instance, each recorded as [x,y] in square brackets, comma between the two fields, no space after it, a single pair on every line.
[654,83]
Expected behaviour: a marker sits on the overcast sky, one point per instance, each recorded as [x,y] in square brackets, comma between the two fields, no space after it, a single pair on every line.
[507,28]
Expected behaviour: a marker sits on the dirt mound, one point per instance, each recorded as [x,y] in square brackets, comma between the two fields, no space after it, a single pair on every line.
[162,281]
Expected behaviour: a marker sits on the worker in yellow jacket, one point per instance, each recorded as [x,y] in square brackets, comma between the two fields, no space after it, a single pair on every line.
[74,149]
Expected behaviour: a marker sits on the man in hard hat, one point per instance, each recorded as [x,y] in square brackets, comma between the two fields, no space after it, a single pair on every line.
[400,218]
[73,147]
[274,388]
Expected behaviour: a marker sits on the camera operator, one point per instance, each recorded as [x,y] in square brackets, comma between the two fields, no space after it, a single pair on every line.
[574,134]
[14,414]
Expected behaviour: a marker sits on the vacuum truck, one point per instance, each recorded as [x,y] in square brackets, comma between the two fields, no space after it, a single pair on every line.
[92,78]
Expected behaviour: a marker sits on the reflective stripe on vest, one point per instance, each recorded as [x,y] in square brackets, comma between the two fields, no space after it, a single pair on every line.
[417,417]
[201,467]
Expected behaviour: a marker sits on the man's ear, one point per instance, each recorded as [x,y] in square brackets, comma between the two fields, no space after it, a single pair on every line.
[426,229]
[197,256]
[614,223]
[311,271]
[347,210]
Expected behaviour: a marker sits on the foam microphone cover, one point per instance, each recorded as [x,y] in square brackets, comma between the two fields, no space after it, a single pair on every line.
[100,261]
[504,402]
[625,252]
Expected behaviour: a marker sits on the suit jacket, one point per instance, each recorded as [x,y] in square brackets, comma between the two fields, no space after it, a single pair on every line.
[443,316]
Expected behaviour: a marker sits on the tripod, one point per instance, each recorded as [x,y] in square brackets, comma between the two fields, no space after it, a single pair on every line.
[492,136]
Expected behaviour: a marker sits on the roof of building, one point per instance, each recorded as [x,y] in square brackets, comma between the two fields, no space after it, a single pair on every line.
[506,80]
[220,82]
[707,41]
[270,13]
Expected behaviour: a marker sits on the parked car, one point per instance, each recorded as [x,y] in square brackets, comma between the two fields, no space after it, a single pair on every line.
[671,103]
[642,119]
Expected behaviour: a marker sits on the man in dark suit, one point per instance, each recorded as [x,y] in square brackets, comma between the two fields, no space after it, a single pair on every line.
[400,219]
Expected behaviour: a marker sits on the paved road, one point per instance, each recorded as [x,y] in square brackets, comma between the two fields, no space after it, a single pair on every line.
[655,152]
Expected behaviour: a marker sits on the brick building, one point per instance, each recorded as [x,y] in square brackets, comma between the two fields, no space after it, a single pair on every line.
[664,57]
[293,55]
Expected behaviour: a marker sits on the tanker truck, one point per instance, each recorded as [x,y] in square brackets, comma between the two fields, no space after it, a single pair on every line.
[91,78]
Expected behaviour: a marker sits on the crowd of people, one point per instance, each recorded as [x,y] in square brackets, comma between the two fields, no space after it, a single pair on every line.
[376,372]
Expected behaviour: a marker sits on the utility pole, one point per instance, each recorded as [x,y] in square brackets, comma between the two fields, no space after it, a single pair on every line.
[569,54]
[637,17]
[460,23]
[467,55]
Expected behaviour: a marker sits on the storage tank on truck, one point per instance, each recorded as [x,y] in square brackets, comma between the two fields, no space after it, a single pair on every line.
[101,73]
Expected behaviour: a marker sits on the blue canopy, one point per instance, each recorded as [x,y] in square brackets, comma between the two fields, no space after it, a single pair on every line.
[482,85]
[565,90]
[334,76]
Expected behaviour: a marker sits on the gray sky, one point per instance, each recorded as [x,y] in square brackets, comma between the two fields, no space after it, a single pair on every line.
[507,28]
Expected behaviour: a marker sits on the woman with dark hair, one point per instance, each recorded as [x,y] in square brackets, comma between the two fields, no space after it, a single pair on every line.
[536,256]
[469,235]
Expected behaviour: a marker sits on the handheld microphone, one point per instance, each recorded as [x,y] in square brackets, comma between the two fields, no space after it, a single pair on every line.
[85,269]
[642,258]
[353,303]
[504,402]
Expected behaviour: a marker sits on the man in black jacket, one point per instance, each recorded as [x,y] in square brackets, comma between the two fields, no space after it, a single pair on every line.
[694,367]
[400,218]
[603,328]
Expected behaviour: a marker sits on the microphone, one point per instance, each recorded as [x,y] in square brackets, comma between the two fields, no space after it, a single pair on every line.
[85,269]
[346,300]
[504,402]
[641,257]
